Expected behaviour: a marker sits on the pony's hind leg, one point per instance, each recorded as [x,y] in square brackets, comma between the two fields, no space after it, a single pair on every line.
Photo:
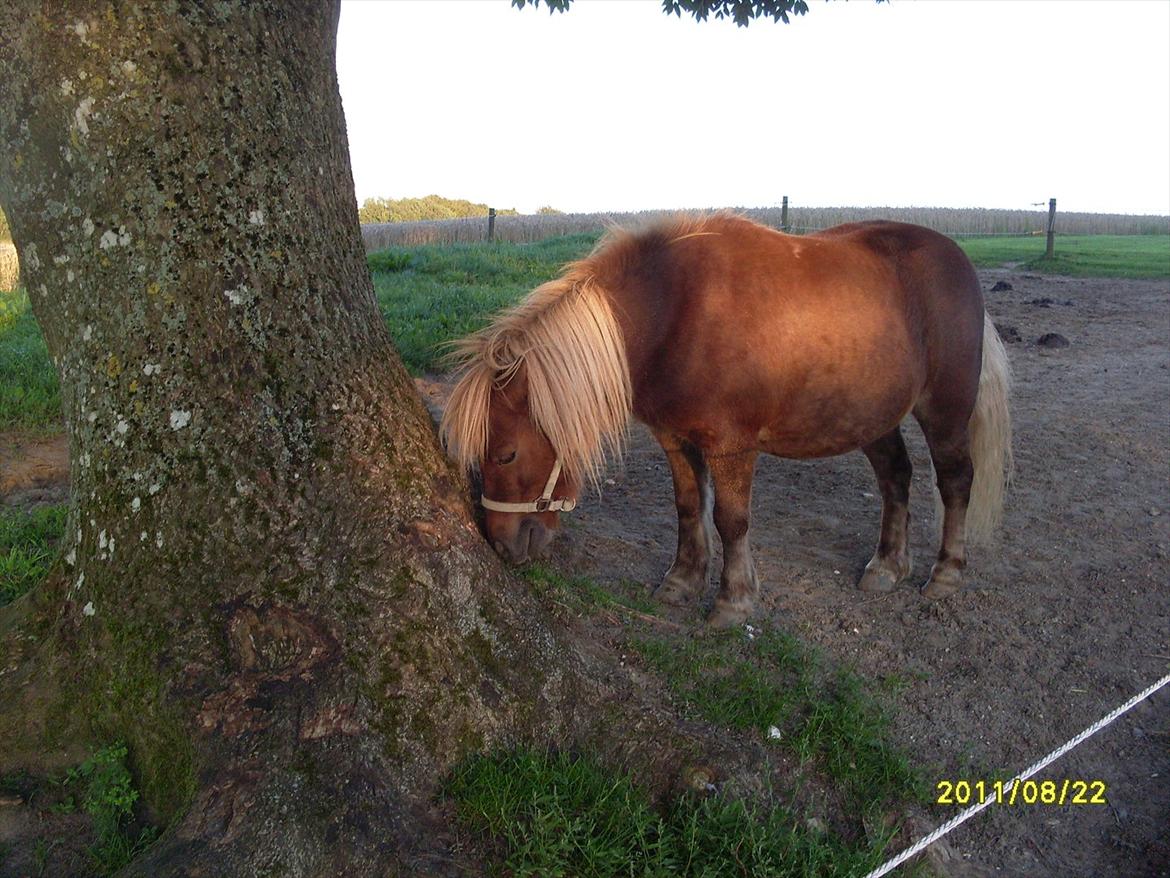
[950,452]
[686,580]
[891,464]
[738,586]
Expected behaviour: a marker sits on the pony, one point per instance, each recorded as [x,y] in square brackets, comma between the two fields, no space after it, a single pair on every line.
[728,338]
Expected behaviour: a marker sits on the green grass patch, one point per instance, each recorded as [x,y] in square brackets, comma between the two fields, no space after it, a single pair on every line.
[581,592]
[103,788]
[769,683]
[28,547]
[555,814]
[1124,256]
[30,397]
[776,686]
[437,293]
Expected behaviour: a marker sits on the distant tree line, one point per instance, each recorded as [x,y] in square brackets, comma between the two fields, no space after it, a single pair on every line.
[432,207]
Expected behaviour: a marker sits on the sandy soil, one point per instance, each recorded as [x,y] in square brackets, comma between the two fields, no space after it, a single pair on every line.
[1064,618]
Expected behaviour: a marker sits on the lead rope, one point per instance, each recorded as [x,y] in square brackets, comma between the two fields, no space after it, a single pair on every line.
[964,816]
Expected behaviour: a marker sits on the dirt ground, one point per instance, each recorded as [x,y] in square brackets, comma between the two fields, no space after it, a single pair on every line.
[1064,618]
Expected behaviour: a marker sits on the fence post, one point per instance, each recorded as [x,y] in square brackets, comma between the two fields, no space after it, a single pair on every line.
[784,214]
[491,223]
[1051,248]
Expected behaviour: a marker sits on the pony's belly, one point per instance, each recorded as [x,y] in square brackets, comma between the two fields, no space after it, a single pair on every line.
[826,434]
[793,446]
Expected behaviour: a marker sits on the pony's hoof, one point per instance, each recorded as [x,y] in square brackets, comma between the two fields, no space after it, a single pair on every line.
[679,591]
[726,614]
[943,583]
[877,581]
[878,576]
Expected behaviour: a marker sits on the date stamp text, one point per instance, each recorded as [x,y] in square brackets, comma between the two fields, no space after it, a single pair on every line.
[1027,792]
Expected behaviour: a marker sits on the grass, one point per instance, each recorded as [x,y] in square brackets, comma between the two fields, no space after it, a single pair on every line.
[30,397]
[582,593]
[108,795]
[769,683]
[101,787]
[28,547]
[774,685]
[557,814]
[553,814]
[435,294]
[1123,256]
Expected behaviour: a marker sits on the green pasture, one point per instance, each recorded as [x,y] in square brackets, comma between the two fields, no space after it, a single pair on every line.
[440,292]
[437,293]
[1123,256]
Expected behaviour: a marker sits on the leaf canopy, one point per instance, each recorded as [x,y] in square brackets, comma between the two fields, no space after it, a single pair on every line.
[742,12]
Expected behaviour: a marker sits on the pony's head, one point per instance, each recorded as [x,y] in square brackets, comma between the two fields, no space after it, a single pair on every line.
[544,392]
[525,483]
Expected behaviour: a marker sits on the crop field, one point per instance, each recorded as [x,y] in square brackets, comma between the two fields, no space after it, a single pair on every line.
[951,221]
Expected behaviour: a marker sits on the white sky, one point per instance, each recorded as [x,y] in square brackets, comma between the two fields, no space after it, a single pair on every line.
[616,106]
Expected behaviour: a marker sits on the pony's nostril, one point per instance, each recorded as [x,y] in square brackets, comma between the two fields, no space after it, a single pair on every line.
[539,541]
[517,554]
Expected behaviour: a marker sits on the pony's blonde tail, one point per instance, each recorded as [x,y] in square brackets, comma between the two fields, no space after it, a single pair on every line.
[991,438]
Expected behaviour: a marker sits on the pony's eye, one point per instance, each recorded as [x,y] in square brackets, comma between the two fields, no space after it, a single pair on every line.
[506,459]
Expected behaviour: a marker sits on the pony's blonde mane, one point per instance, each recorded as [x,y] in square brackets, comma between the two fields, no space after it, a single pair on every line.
[565,336]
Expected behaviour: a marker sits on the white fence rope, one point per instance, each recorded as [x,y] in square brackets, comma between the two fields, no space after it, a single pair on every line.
[963,816]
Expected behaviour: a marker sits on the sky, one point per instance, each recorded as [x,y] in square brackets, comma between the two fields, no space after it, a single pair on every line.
[616,106]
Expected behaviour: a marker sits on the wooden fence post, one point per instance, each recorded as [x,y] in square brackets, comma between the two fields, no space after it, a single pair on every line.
[784,214]
[1051,248]
[491,223]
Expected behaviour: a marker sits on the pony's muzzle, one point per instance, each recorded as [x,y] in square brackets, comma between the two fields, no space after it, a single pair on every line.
[531,541]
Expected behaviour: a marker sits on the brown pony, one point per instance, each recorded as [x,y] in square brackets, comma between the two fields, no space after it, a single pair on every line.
[727,338]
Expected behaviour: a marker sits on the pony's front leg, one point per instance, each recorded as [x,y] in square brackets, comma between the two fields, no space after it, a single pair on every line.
[686,580]
[738,586]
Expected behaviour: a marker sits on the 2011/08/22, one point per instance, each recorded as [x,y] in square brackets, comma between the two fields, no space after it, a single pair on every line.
[1027,792]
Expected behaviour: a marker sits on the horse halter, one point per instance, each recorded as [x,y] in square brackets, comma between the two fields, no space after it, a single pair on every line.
[544,503]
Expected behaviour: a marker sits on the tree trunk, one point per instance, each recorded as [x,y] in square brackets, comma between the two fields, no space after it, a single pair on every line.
[273,588]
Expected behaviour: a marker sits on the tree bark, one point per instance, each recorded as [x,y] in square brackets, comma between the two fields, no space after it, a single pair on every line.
[273,587]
